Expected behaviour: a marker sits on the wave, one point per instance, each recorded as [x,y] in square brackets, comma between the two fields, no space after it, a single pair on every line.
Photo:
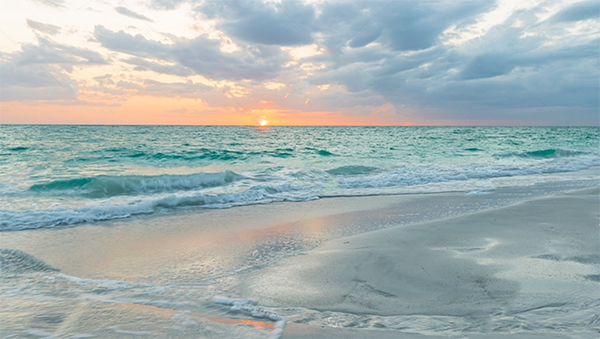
[410,176]
[203,154]
[109,186]
[325,153]
[352,170]
[190,156]
[18,149]
[109,209]
[277,153]
[124,196]
[544,154]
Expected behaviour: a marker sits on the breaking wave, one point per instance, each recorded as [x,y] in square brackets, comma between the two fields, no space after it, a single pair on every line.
[109,186]
[544,154]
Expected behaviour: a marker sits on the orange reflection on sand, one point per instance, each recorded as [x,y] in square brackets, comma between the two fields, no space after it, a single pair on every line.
[309,227]
[171,312]
[256,323]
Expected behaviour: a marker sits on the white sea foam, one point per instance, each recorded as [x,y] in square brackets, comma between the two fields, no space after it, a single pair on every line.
[117,209]
[480,191]
[251,307]
[294,187]
[410,176]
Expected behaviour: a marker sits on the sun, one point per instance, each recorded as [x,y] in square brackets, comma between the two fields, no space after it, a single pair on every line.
[263,122]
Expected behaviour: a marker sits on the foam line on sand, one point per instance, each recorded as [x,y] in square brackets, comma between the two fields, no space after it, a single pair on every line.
[251,307]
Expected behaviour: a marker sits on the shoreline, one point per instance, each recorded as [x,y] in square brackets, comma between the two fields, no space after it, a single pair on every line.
[542,183]
[243,251]
[304,224]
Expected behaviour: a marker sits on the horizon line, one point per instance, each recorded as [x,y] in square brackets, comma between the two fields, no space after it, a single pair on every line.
[266,127]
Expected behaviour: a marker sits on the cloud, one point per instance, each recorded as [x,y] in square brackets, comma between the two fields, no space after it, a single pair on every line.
[400,25]
[283,24]
[413,26]
[44,28]
[516,66]
[127,12]
[49,52]
[200,55]
[104,80]
[145,65]
[501,63]
[187,89]
[167,4]
[39,72]
[36,82]
[579,11]
[433,59]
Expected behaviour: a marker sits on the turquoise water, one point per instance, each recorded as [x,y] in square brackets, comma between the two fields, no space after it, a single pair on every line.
[66,175]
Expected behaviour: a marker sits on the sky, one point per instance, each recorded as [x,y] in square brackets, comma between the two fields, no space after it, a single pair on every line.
[312,62]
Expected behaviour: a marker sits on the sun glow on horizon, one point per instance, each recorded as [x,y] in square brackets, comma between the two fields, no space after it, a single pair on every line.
[263,122]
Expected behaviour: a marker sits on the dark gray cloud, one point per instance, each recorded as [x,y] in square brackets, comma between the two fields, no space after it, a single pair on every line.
[268,23]
[551,89]
[44,28]
[399,25]
[410,26]
[200,55]
[579,11]
[127,12]
[487,66]
[514,67]
[402,25]
[501,62]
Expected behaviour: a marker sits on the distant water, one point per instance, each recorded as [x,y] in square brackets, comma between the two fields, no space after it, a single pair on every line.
[64,175]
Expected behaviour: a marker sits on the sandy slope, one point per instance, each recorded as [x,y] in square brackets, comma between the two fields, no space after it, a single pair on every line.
[530,268]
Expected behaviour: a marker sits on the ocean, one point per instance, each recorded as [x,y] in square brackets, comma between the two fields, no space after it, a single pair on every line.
[65,175]
[144,231]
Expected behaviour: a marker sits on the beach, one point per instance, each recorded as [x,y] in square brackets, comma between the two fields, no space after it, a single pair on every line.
[529,269]
[299,232]
[364,267]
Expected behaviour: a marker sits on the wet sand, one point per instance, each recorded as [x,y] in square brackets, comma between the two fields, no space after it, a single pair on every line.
[531,268]
[526,270]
